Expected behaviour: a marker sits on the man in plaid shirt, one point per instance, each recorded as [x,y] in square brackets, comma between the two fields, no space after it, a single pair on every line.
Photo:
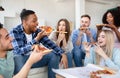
[26,35]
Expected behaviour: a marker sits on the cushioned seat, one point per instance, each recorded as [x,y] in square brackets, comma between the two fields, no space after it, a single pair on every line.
[41,72]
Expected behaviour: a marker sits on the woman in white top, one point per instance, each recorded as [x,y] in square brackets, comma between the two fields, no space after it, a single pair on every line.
[62,38]
[111,20]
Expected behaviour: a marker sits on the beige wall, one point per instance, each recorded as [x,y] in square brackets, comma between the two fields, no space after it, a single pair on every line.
[50,11]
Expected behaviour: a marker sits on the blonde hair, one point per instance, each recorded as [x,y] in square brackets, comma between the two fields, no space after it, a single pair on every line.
[109,44]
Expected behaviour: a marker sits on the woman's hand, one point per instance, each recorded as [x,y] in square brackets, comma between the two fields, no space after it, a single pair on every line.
[100,51]
[61,37]
[113,27]
[87,48]
[64,61]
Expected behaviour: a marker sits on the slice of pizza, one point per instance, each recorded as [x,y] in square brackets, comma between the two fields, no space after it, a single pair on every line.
[61,32]
[100,25]
[98,73]
[43,48]
[48,29]
[83,28]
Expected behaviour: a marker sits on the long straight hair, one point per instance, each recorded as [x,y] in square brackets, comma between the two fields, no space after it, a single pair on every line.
[109,45]
[67,26]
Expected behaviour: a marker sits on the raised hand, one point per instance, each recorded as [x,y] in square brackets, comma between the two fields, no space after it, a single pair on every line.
[40,35]
[100,51]
[61,37]
[64,61]
[113,27]
[87,46]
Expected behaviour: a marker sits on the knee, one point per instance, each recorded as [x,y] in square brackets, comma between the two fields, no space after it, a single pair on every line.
[54,57]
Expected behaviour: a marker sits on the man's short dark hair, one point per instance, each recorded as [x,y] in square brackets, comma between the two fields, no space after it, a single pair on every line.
[86,15]
[25,13]
[1,25]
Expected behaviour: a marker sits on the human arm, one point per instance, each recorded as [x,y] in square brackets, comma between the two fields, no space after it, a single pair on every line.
[90,56]
[75,36]
[114,63]
[51,45]
[53,37]
[69,46]
[92,35]
[56,40]
[115,29]
[35,56]
[64,61]
[61,38]
[1,76]
[78,41]
[20,44]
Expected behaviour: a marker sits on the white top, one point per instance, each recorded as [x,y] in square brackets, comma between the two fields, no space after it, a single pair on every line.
[69,46]
[29,37]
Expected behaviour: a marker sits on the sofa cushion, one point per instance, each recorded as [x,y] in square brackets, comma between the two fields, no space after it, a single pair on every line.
[35,71]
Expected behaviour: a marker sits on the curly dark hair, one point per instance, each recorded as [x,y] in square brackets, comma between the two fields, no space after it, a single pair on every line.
[116,16]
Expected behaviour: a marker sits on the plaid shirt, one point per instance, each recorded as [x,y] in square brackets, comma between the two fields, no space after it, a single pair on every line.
[21,46]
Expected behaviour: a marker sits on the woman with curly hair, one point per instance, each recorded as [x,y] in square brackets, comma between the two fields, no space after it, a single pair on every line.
[111,21]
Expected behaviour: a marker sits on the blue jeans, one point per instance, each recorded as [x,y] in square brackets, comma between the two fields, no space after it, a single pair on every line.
[78,55]
[69,58]
[51,60]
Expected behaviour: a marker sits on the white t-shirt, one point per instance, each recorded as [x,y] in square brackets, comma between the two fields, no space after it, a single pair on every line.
[29,37]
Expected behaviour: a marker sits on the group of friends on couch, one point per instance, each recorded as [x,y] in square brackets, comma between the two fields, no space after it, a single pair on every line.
[18,51]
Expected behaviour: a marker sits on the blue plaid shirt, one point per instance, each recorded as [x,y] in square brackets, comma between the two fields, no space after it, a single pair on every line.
[22,47]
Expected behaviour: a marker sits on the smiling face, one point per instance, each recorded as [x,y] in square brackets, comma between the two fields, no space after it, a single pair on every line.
[5,40]
[62,26]
[110,18]
[85,22]
[31,23]
[102,39]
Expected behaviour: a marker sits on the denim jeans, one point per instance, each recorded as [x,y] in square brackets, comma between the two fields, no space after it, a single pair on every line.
[51,60]
[78,56]
[69,58]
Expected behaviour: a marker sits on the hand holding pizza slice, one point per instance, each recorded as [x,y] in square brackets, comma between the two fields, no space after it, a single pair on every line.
[47,29]
[43,49]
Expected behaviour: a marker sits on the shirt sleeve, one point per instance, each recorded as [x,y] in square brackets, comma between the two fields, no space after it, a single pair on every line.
[74,37]
[90,59]
[51,45]
[115,61]
[53,37]
[94,34]
[20,46]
